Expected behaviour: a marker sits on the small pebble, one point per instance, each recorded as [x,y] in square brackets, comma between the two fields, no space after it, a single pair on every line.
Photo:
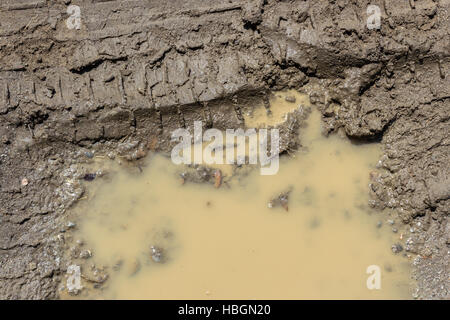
[24,182]
[379,224]
[109,78]
[89,176]
[71,224]
[89,154]
[396,248]
[290,99]
[156,254]
[85,254]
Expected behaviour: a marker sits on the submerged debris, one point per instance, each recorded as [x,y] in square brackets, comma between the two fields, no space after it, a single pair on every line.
[89,176]
[70,225]
[315,223]
[117,265]
[98,276]
[157,254]
[396,248]
[85,254]
[135,267]
[281,200]
[290,99]
[201,174]
[307,197]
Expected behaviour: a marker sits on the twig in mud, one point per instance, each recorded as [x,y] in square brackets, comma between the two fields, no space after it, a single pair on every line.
[29,22]
[217,178]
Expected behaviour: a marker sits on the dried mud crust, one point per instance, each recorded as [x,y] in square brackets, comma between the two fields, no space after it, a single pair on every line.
[136,70]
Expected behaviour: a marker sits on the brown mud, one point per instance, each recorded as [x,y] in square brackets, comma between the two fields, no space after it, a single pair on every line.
[137,70]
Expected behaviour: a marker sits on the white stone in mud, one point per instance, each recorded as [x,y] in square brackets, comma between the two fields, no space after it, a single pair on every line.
[74,279]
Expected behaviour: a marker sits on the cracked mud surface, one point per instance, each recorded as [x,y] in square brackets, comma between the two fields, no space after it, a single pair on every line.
[136,70]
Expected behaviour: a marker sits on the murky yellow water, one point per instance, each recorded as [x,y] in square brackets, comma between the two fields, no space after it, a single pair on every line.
[281,103]
[227,242]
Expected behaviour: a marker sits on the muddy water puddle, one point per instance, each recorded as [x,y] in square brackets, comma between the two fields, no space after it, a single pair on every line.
[305,232]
